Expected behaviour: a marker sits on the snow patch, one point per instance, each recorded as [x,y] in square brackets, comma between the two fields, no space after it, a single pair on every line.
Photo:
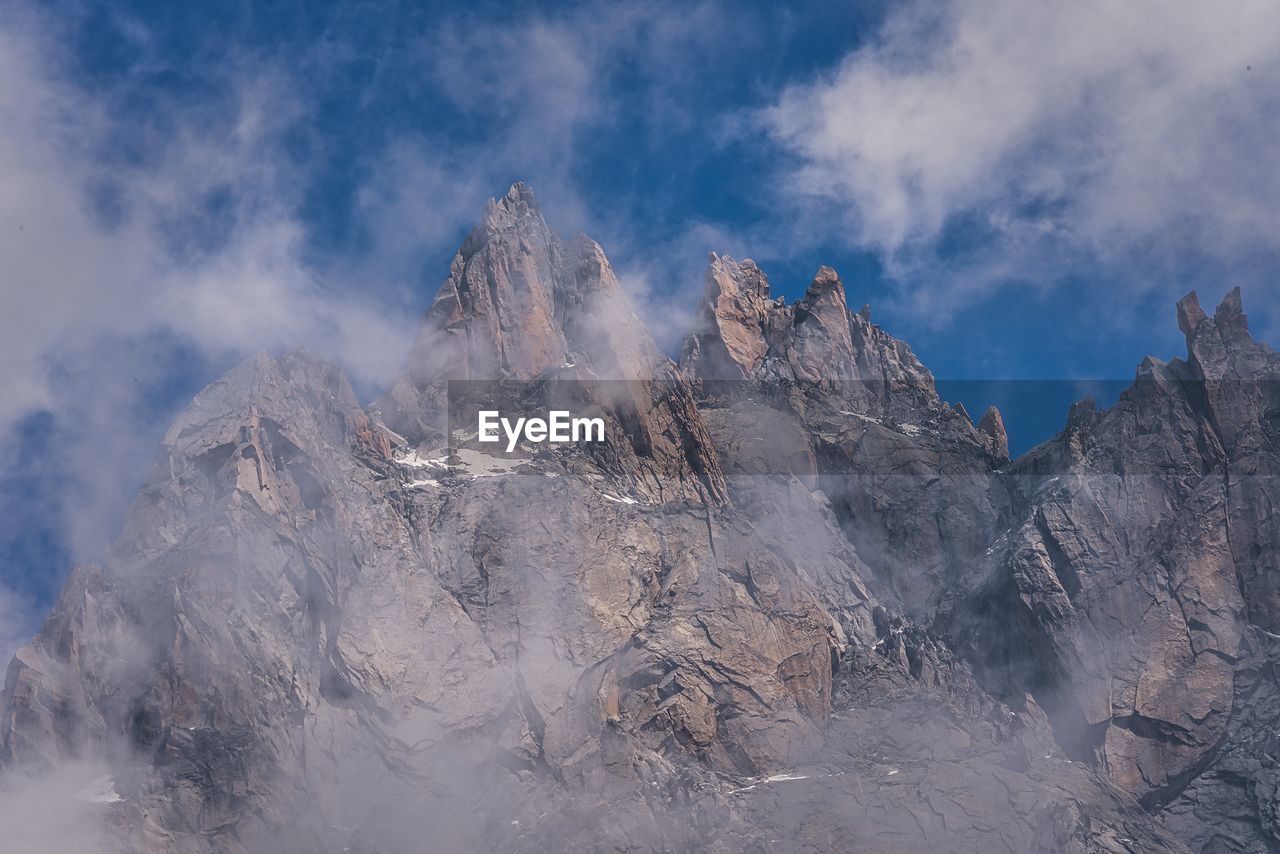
[776,778]
[483,465]
[413,460]
[997,544]
[100,790]
[626,499]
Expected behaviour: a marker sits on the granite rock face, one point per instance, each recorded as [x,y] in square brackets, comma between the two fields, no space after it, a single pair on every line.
[793,602]
[523,307]
[908,475]
[1139,580]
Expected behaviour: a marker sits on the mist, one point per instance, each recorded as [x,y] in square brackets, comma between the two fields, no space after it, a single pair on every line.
[258,594]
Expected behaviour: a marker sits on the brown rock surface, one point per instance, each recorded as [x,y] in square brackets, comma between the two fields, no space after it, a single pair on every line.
[524,308]
[908,476]
[1137,587]
[796,602]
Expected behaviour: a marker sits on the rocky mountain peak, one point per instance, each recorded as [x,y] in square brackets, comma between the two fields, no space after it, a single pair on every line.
[521,305]
[520,301]
[991,426]
[826,279]
[1190,315]
[516,212]
[1229,325]
[728,277]
[317,633]
[816,342]
[1230,316]
[822,341]
[520,193]
[737,316]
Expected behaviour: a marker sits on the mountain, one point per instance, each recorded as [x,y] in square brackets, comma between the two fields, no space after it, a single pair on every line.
[792,601]
[522,306]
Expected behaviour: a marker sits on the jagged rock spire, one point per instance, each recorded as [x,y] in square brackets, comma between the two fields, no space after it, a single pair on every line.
[746,335]
[991,426]
[1190,315]
[300,637]
[520,301]
[522,304]
[736,319]
[1229,323]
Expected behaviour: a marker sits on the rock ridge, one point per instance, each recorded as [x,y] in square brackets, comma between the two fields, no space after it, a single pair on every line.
[800,603]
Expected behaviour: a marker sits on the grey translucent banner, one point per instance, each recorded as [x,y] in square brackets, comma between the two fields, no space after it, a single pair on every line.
[858,428]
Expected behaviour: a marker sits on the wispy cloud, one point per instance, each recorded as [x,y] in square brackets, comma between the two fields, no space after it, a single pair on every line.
[1053,138]
[1048,137]
[197,237]
[130,241]
[536,91]
[144,229]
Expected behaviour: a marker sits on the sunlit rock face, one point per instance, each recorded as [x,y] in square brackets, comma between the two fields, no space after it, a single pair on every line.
[793,601]
[1140,575]
[521,305]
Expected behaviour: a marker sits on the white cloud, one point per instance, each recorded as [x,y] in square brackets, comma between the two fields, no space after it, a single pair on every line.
[112,265]
[111,259]
[73,273]
[539,84]
[60,810]
[1118,130]
[15,623]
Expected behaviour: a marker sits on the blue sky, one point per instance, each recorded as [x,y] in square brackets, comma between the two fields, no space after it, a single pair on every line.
[1019,190]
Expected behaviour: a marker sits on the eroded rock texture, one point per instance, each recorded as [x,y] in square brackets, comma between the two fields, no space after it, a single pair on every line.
[1139,579]
[821,392]
[794,602]
[521,305]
